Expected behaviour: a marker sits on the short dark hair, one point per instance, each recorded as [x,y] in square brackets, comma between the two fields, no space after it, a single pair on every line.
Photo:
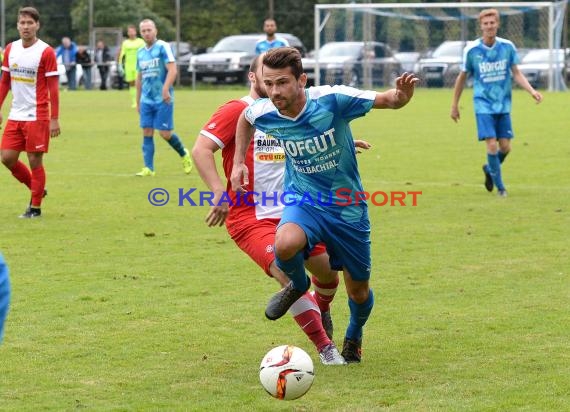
[29,11]
[282,57]
[255,63]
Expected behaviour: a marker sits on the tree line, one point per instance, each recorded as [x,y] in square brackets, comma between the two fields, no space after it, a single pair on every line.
[202,22]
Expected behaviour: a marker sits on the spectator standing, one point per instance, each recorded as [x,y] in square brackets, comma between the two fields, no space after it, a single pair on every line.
[68,52]
[84,59]
[102,59]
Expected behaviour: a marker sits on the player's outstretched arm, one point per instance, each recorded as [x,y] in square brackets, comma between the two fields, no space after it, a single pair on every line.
[240,174]
[400,95]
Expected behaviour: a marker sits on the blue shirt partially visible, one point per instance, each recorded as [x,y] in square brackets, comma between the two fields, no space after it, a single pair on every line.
[68,56]
[4,294]
[490,68]
[264,45]
[151,64]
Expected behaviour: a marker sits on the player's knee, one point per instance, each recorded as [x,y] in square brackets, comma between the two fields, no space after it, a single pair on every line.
[284,250]
[286,247]
[289,241]
[8,161]
[359,294]
[492,146]
[505,147]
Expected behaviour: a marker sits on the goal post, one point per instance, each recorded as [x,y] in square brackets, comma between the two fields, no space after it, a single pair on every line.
[418,28]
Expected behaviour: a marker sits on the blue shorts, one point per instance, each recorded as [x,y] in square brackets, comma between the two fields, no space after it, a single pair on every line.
[158,116]
[4,295]
[494,125]
[348,244]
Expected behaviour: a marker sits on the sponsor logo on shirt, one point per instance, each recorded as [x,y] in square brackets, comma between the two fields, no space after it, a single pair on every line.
[312,145]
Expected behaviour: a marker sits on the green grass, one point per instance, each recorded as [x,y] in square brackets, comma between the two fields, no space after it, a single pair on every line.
[119,305]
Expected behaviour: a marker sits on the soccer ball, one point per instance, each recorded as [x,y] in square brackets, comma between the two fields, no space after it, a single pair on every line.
[286,372]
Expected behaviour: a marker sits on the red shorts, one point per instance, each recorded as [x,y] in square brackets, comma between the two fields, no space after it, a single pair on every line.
[257,237]
[29,137]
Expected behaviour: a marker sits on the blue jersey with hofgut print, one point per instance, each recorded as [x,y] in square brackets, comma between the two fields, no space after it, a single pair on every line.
[151,63]
[320,162]
[490,67]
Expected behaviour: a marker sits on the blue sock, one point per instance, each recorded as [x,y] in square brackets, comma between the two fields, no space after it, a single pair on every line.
[176,144]
[294,268]
[359,314]
[495,170]
[502,156]
[148,152]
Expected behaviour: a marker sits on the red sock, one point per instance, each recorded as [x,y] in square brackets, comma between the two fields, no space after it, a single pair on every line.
[38,185]
[324,293]
[21,172]
[306,313]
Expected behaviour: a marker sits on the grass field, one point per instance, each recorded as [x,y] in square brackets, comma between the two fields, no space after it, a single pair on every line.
[119,305]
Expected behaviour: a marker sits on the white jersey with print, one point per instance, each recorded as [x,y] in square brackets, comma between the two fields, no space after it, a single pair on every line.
[29,68]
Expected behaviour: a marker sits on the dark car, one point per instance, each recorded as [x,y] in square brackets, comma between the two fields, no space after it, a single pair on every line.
[441,68]
[229,59]
[354,63]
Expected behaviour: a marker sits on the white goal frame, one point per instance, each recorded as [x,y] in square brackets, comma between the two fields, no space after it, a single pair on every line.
[556,11]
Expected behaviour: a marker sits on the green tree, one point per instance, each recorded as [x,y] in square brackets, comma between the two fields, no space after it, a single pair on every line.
[204,22]
[117,13]
[55,21]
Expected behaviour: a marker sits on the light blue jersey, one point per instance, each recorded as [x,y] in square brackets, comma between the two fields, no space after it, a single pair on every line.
[491,71]
[151,63]
[264,45]
[320,162]
[4,294]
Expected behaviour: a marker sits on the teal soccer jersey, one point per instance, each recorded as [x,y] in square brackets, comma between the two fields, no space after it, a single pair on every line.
[151,63]
[320,162]
[491,71]
[264,44]
[4,294]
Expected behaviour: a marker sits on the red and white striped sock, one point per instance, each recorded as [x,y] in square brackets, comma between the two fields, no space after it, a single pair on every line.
[307,315]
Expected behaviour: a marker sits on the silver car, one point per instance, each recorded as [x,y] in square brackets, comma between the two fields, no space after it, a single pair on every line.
[354,63]
[230,58]
[535,65]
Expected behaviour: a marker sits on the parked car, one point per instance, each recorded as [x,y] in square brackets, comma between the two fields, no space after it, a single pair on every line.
[352,62]
[409,61]
[229,59]
[443,65]
[535,65]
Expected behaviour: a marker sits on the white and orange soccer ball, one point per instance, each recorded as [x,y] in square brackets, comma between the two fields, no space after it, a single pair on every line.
[286,372]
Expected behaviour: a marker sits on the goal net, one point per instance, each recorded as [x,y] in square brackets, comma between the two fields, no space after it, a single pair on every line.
[429,38]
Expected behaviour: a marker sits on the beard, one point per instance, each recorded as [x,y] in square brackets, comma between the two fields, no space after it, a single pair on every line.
[259,88]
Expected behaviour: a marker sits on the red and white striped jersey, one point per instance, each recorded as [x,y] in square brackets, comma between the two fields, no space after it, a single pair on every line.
[29,68]
[265,160]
